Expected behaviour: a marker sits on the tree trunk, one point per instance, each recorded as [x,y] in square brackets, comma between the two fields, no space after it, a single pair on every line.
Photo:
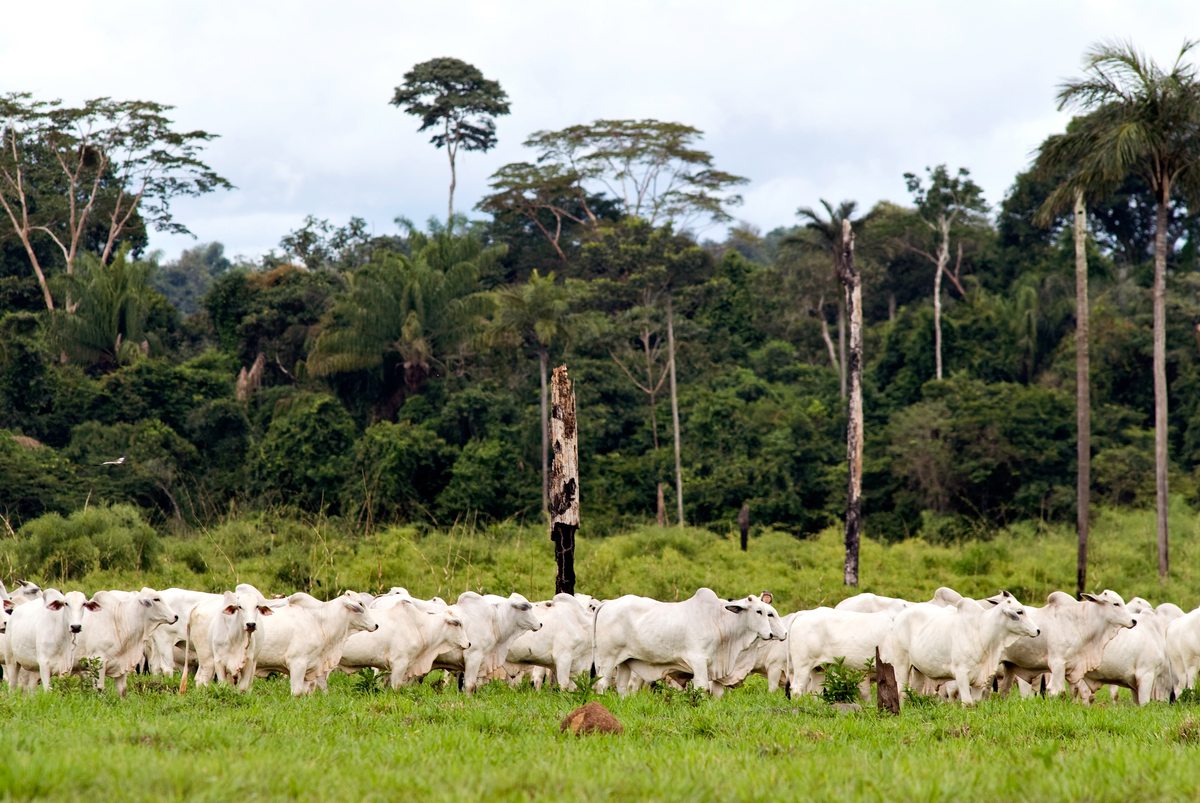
[564,481]
[833,358]
[854,426]
[891,306]
[662,507]
[943,259]
[744,525]
[451,148]
[1083,414]
[543,359]
[887,691]
[675,410]
[842,345]
[1160,377]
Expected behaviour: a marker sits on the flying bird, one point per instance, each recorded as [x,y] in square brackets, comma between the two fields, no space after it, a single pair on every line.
[116,462]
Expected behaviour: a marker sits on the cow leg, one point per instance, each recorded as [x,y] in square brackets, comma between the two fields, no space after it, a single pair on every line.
[562,673]
[296,671]
[1058,679]
[700,673]
[120,683]
[962,676]
[864,690]
[471,666]
[44,674]
[623,678]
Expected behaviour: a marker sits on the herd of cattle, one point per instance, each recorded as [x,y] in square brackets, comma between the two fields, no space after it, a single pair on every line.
[953,646]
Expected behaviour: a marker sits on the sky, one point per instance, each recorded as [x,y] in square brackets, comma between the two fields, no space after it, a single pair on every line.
[807,100]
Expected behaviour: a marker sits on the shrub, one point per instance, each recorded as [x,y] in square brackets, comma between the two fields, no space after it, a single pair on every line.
[303,457]
[397,467]
[841,681]
[108,538]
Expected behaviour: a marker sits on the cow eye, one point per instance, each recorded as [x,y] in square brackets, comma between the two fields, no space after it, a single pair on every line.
[1020,613]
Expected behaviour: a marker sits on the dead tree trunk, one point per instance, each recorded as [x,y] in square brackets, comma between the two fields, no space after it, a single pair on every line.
[564,479]
[744,525]
[887,690]
[1083,481]
[848,273]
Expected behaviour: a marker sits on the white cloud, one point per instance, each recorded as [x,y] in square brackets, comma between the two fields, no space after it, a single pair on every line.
[808,99]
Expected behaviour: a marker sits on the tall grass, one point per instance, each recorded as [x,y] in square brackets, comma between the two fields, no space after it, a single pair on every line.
[1030,559]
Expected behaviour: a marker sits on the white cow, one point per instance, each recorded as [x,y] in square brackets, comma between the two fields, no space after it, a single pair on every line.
[304,639]
[24,592]
[820,636]
[1136,659]
[1183,649]
[963,643]
[1073,636]
[707,638]
[867,602]
[410,638]
[771,656]
[563,643]
[161,648]
[116,627]
[492,623]
[42,638]
[232,632]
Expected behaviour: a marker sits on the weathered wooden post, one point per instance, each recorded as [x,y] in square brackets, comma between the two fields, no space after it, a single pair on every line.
[849,275]
[564,479]
[744,525]
[887,691]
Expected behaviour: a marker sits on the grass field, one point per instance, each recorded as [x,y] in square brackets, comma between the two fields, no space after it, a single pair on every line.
[504,744]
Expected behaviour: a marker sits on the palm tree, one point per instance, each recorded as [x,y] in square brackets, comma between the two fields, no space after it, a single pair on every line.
[105,319]
[419,310]
[1138,119]
[538,315]
[825,235]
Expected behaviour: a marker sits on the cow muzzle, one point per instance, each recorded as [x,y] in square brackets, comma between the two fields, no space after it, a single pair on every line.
[76,628]
[251,627]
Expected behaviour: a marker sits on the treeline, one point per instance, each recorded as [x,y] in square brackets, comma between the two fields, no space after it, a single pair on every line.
[401,377]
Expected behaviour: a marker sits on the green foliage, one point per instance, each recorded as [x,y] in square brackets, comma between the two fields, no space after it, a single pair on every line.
[304,455]
[841,681]
[188,279]
[56,549]
[451,94]
[483,482]
[34,479]
[109,306]
[397,468]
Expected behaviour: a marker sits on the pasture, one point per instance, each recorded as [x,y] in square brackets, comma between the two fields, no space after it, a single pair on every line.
[423,742]
[356,743]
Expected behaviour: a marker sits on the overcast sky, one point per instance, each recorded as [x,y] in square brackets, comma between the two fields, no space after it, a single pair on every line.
[808,100]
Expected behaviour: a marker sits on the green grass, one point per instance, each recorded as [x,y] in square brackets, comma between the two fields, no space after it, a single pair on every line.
[504,744]
[359,743]
[1029,559]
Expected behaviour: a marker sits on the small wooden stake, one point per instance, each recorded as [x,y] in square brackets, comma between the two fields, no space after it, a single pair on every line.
[564,479]
[887,692]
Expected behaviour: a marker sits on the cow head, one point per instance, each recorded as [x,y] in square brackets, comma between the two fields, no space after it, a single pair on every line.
[523,614]
[1015,619]
[158,612]
[759,617]
[243,612]
[360,617]
[452,628]
[25,592]
[1111,607]
[69,607]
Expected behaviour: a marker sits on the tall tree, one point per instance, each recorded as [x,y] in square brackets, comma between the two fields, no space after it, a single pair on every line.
[533,191]
[453,95]
[825,234]
[653,168]
[111,305]
[946,201]
[119,163]
[1139,119]
[850,277]
[537,315]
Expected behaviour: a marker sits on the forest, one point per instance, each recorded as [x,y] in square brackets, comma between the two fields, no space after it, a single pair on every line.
[374,380]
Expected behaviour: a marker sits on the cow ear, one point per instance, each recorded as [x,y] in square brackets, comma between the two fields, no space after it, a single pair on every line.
[735,608]
[230,610]
[8,606]
[145,602]
[1013,615]
[57,605]
[92,605]
[1005,594]
[1090,597]
[265,610]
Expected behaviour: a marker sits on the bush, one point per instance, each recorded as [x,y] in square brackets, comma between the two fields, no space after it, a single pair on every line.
[397,468]
[841,681]
[303,457]
[106,538]
[485,481]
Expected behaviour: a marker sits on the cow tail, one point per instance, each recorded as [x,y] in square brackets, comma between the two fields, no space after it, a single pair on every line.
[595,616]
[187,641]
